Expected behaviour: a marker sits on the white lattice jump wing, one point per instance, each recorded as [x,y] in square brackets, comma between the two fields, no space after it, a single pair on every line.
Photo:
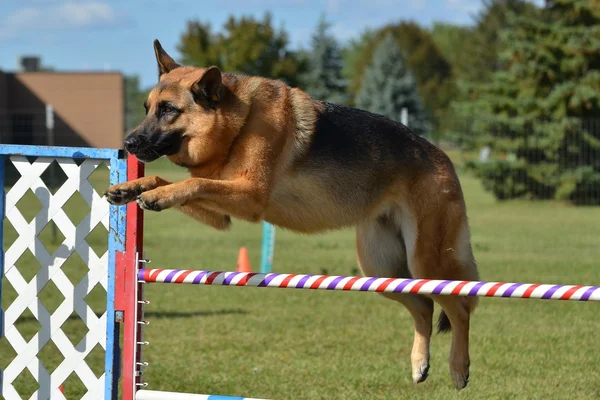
[74,302]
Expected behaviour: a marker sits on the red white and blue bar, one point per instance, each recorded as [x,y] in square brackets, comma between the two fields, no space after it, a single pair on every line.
[371,284]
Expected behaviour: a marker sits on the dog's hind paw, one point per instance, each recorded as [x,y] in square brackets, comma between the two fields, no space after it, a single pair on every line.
[460,380]
[421,373]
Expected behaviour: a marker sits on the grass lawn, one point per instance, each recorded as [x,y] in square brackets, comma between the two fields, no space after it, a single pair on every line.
[280,344]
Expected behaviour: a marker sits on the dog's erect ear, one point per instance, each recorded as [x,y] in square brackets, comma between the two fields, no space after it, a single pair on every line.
[165,62]
[209,87]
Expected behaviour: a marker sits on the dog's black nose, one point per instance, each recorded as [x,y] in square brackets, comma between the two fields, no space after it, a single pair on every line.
[132,143]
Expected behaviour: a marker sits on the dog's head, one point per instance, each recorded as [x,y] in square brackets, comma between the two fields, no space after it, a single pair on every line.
[185,118]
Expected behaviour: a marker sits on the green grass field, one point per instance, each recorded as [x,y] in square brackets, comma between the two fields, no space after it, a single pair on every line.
[288,344]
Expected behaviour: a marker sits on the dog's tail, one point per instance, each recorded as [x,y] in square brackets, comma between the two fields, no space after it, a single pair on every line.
[443,323]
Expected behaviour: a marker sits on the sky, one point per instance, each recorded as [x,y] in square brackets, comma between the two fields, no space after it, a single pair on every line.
[117,35]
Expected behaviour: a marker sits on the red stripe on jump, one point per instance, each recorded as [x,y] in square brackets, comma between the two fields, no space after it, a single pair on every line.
[349,284]
[570,292]
[415,289]
[384,285]
[317,283]
[211,278]
[181,277]
[458,287]
[147,275]
[494,289]
[154,273]
[530,290]
[245,279]
[287,280]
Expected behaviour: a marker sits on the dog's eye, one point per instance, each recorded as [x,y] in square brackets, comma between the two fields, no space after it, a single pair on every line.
[167,109]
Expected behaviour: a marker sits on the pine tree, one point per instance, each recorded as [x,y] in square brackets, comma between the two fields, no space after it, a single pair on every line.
[388,86]
[537,112]
[324,79]
[134,98]
[245,44]
[431,70]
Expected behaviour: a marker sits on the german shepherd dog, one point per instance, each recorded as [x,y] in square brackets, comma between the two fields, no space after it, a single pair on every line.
[257,149]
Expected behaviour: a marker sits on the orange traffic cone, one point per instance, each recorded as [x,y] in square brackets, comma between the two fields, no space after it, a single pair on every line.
[243,263]
[61,389]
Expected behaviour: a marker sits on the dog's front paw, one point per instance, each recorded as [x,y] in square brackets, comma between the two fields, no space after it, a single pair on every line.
[119,195]
[155,200]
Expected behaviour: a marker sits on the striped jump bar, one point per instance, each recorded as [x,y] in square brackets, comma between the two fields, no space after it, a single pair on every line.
[370,284]
[157,395]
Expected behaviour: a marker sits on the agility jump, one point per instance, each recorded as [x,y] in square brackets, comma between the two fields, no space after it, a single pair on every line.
[124,273]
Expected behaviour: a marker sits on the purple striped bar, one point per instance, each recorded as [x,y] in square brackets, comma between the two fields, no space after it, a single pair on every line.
[367,284]
[508,292]
[438,289]
[199,277]
[267,281]
[302,281]
[334,282]
[475,290]
[588,293]
[402,285]
[169,277]
[551,291]
[425,286]
[230,277]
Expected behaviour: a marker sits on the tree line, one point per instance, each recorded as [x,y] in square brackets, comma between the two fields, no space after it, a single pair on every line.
[425,65]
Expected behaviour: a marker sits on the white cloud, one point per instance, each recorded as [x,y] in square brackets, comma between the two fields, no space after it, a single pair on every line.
[85,14]
[69,15]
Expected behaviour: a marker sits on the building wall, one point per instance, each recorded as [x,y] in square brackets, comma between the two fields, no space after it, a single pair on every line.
[88,107]
[3,117]
[2,91]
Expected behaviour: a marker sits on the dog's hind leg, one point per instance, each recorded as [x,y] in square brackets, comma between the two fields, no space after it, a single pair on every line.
[381,253]
[438,247]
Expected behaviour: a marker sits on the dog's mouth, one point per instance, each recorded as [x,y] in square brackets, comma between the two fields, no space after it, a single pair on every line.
[148,148]
[146,157]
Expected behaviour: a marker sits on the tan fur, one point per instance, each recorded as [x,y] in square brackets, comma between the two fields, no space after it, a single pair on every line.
[245,159]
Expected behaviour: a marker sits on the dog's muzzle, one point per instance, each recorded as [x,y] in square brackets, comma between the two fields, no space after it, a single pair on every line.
[133,143]
[141,147]
[150,147]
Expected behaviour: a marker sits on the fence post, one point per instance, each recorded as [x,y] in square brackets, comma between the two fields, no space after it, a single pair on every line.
[404,116]
[2,204]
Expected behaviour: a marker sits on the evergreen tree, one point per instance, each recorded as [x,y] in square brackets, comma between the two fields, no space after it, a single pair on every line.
[388,86]
[456,43]
[133,100]
[536,113]
[486,43]
[422,56]
[354,50]
[324,79]
[245,45]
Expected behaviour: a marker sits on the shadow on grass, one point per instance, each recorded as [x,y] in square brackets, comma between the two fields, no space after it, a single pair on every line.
[157,315]
[189,314]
